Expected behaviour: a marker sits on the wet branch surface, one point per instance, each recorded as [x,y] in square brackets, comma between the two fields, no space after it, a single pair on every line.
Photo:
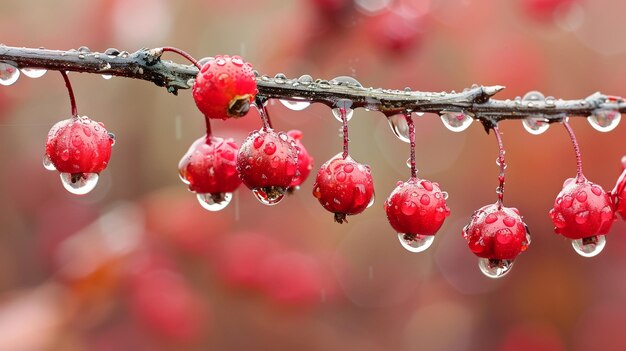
[477,101]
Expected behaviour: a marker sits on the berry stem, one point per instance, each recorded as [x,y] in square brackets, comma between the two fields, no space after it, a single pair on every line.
[580,178]
[409,122]
[259,102]
[183,54]
[344,119]
[502,164]
[70,91]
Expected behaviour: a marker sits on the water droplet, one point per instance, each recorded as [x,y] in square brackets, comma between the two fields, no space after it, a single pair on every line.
[372,200]
[34,72]
[348,168]
[269,195]
[416,243]
[493,268]
[341,176]
[604,120]
[47,163]
[205,60]
[509,221]
[280,78]
[270,148]
[8,74]
[108,76]
[456,121]
[491,218]
[581,217]
[79,183]
[408,207]
[399,127]
[112,138]
[590,246]
[214,202]
[535,125]
[345,104]
[295,105]
[305,79]
[258,141]
[345,80]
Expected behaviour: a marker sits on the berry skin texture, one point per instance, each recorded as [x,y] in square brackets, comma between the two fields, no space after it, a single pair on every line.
[79,145]
[416,207]
[267,163]
[582,209]
[497,234]
[209,166]
[344,187]
[225,87]
[305,161]
[619,192]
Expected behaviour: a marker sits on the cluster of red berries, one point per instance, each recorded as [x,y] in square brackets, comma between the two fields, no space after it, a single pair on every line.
[272,164]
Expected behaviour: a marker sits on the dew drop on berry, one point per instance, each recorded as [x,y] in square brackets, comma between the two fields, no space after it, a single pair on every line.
[590,246]
[258,141]
[270,148]
[399,127]
[79,183]
[416,243]
[604,120]
[581,196]
[493,268]
[107,76]
[348,168]
[8,74]
[581,217]
[295,105]
[425,199]
[456,121]
[34,72]
[372,200]
[408,208]
[214,202]
[269,196]
[47,163]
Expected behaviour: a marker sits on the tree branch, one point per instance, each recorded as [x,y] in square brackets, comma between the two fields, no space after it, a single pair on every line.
[146,64]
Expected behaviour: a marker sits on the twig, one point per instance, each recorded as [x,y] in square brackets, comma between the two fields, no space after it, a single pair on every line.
[477,101]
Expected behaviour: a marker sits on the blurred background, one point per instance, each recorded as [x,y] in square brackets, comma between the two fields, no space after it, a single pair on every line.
[138,265]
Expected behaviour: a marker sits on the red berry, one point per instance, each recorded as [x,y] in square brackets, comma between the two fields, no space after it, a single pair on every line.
[267,163]
[619,192]
[398,31]
[225,87]
[79,148]
[496,234]
[544,10]
[305,161]
[416,209]
[344,187]
[209,167]
[581,210]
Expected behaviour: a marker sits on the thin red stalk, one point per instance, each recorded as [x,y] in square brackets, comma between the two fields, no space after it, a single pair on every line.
[183,54]
[579,162]
[502,164]
[71,93]
[265,118]
[409,122]
[344,119]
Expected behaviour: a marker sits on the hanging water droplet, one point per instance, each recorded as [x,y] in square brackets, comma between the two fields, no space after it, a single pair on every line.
[269,195]
[33,72]
[79,183]
[107,76]
[214,202]
[604,120]
[112,138]
[493,268]
[590,246]
[345,104]
[295,105]
[416,242]
[47,163]
[8,74]
[399,127]
[456,121]
[372,200]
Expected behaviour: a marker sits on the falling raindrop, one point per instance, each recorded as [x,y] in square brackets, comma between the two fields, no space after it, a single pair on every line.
[494,268]
[345,104]
[416,242]
[604,120]
[590,246]
[79,183]
[295,105]
[33,72]
[400,127]
[456,121]
[214,202]
[8,74]
[47,163]
[269,195]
